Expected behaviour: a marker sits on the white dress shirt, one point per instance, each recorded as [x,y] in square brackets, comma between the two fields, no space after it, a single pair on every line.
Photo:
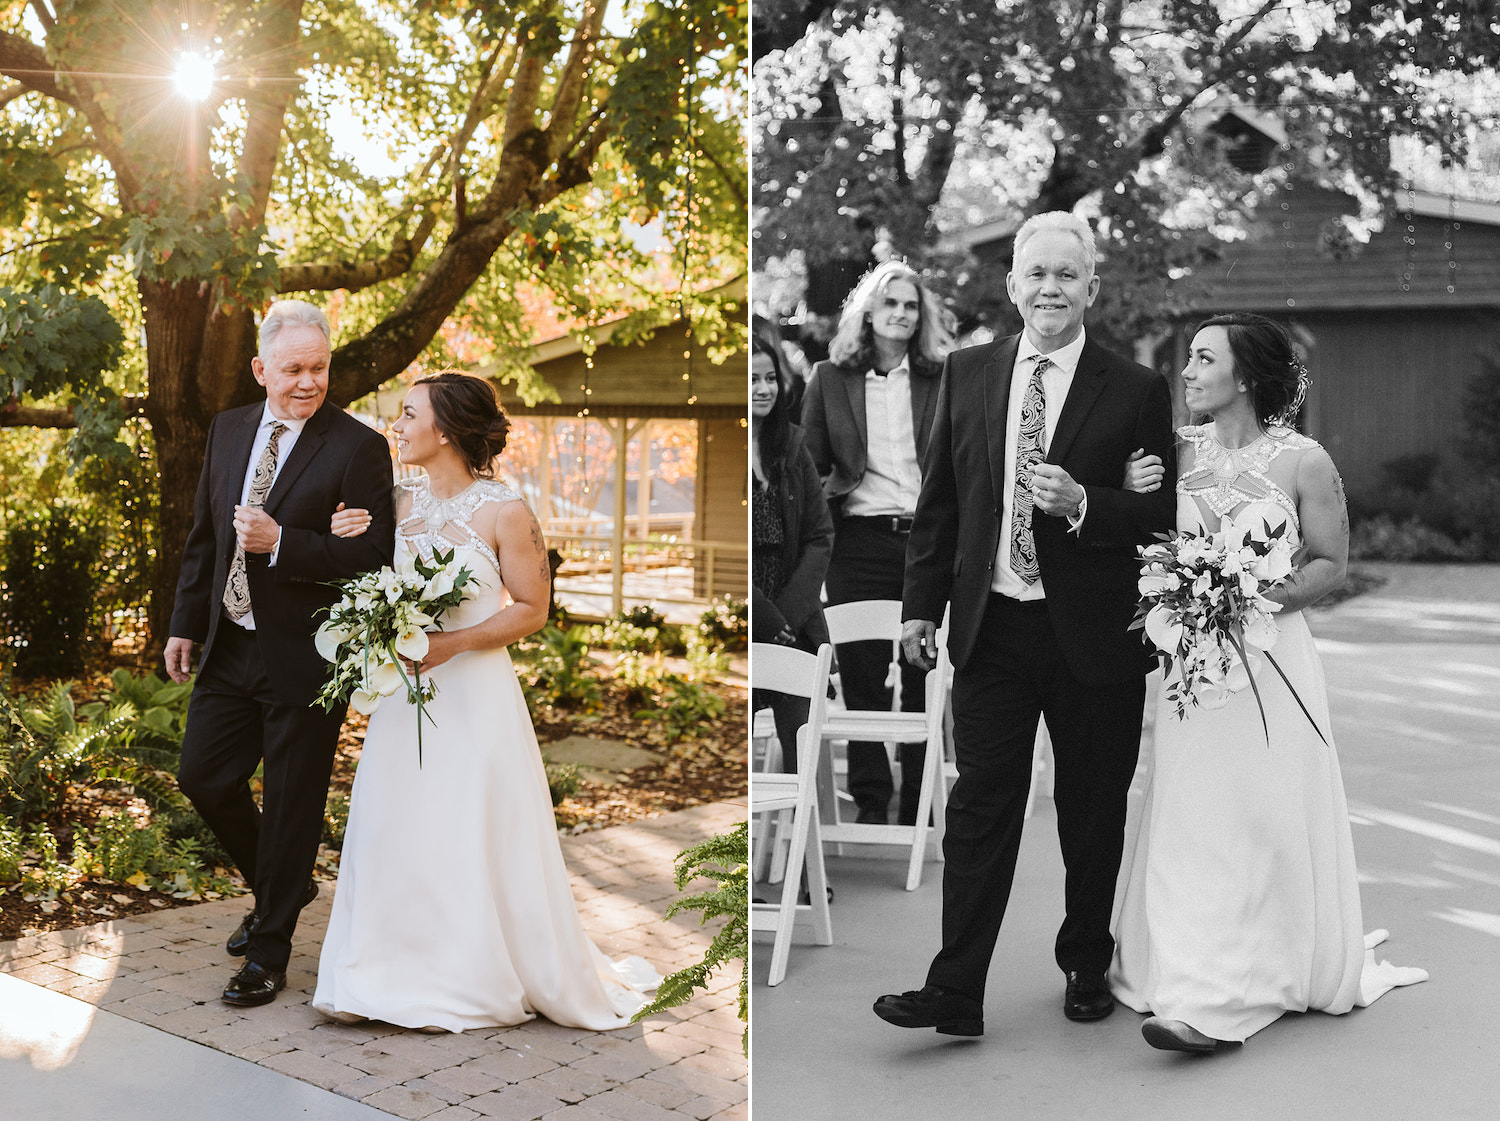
[893,477]
[1057,379]
[257,449]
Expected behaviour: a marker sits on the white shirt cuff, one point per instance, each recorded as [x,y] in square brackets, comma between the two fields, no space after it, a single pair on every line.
[276,549]
[1075,521]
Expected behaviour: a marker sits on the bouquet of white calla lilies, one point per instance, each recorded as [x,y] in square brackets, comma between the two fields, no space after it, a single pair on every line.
[379,623]
[1204,606]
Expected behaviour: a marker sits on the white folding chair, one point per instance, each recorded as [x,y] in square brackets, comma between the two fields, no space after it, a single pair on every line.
[786,670]
[880,619]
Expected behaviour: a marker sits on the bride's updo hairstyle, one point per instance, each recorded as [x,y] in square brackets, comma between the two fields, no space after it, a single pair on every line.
[465,410]
[1266,362]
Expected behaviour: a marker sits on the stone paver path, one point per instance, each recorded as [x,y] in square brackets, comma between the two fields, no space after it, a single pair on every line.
[167,970]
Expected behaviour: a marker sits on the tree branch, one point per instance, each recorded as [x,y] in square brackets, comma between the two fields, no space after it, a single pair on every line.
[47,19]
[325,276]
[265,105]
[13,414]
[27,63]
[570,87]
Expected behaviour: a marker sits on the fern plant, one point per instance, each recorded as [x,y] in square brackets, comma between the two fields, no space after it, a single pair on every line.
[725,859]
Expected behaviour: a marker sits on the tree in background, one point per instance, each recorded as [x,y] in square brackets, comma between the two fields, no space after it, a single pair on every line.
[143,202]
[880,128]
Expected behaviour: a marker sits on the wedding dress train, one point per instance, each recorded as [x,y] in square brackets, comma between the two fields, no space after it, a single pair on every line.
[453,907]
[1238,898]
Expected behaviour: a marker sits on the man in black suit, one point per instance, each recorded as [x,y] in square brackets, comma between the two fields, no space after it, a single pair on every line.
[867,413]
[255,574]
[1024,532]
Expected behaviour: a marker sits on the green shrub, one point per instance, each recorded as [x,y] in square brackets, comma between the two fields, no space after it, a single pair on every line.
[726,623]
[682,705]
[335,819]
[55,750]
[44,875]
[642,615]
[51,576]
[725,859]
[562,780]
[11,850]
[562,669]
[1384,538]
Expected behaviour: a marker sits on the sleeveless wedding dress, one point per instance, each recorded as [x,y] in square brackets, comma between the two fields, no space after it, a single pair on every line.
[1238,898]
[453,907]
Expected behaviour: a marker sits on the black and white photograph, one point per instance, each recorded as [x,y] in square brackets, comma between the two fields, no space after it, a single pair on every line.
[1125,612]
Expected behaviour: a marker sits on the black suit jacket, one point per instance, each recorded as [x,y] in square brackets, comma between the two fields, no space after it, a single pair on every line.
[1113,407]
[833,417]
[335,459]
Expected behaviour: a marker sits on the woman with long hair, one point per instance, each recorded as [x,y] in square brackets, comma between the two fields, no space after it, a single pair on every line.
[867,412]
[791,534]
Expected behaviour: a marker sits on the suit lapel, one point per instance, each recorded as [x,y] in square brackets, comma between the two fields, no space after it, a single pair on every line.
[923,403]
[237,461]
[1088,383]
[301,455]
[995,377]
[854,389]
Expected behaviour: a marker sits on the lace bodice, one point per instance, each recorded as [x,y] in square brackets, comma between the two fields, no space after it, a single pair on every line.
[425,522]
[1228,481]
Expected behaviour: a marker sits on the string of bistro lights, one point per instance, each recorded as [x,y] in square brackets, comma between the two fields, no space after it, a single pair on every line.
[689,203]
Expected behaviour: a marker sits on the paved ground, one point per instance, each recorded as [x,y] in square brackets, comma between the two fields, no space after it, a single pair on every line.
[1414,677]
[98,1043]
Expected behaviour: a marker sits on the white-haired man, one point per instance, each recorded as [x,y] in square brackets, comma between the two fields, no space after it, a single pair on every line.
[255,573]
[1023,530]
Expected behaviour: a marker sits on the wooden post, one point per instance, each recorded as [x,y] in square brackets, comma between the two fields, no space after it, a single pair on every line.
[643,481]
[621,432]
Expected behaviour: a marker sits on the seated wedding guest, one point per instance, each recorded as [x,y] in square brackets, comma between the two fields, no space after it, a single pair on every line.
[791,535]
[867,413]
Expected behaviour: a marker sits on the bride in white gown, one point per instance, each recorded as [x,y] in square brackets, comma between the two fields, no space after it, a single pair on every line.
[453,908]
[1238,898]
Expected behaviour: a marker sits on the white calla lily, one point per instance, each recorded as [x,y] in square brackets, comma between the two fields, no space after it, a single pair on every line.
[364,703]
[413,644]
[384,679]
[328,638]
[1163,630]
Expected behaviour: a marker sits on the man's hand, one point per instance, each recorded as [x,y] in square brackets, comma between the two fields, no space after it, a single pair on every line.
[1054,491]
[256,529]
[919,642]
[179,659]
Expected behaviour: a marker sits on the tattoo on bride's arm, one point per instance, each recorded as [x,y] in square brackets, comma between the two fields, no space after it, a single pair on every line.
[539,543]
[1338,489]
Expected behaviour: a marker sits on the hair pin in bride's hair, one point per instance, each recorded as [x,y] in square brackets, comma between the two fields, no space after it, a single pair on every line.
[1287,417]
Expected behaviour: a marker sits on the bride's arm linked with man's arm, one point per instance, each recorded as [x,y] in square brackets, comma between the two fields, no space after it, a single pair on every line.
[516,536]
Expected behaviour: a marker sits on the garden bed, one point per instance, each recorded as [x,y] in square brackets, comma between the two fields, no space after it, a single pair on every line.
[706,764]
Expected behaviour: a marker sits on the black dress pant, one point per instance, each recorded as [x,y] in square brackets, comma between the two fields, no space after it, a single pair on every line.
[236,721]
[1016,674]
[869,562]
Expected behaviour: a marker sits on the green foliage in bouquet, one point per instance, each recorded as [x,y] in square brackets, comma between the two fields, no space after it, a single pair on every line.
[724,859]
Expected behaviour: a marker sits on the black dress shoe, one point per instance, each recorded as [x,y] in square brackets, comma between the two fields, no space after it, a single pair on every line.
[240,939]
[254,984]
[949,1012]
[1087,997]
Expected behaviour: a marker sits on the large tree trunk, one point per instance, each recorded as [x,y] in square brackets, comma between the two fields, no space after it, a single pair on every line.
[175,316]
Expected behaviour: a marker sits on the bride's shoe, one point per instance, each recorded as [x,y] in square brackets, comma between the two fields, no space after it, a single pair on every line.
[1174,1035]
[346,1017]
